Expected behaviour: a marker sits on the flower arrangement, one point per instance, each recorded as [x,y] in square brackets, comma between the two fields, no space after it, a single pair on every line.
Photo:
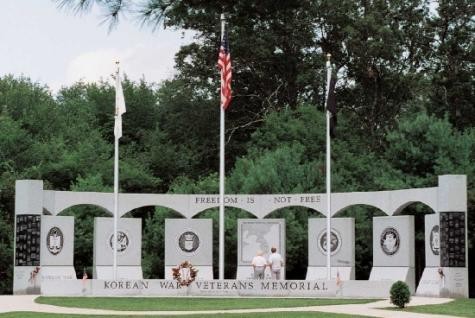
[185,273]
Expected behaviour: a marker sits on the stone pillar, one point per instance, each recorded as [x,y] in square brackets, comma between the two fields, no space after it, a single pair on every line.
[342,249]
[259,235]
[129,248]
[27,246]
[189,240]
[393,249]
[446,272]
[57,248]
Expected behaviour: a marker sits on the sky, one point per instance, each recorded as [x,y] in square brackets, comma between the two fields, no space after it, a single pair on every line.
[57,47]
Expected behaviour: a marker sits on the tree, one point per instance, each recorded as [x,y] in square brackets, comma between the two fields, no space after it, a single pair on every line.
[379,49]
[452,65]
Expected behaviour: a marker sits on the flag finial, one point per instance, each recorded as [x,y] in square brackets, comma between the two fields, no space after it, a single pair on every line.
[329,56]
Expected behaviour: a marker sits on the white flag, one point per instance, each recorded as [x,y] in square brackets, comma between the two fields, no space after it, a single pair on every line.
[119,106]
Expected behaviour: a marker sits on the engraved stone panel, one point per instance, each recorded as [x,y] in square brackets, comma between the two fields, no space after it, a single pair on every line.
[342,242]
[432,240]
[57,240]
[259,235]
[129,241]
[189,239]
[28,230]
[393,241]
[452,239]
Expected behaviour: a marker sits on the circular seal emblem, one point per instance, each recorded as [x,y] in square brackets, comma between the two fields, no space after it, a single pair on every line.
[54,240]
[335,241]
[435,240]
[390,241]
[122,241]
[189,242]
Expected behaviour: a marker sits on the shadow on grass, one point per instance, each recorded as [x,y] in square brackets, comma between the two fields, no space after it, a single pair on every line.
[190,303]
[249,315]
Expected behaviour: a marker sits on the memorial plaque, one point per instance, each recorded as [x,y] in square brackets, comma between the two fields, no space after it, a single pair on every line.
[435,240]
[390,241]
[452,239]
[129,241]
[54,240]
[28,230]
[57,241]
[259,235]
[189,239]
[432,240]
[393,241]
[335,241]
[342,242]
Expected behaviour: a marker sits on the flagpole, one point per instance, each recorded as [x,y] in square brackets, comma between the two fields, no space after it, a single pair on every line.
[221,176]
[116,198]
[328,168]
[116,185]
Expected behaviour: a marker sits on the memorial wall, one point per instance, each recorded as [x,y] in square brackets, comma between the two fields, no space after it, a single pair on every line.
[44,245]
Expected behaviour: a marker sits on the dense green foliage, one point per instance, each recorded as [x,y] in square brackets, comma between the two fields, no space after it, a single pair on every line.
[400,294]
[406,112]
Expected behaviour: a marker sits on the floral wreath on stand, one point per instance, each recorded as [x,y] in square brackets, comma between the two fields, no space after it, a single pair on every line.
[185,273]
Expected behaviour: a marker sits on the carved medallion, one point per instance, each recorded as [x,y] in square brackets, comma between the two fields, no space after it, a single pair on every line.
[122,241]
[189,242]
[390,241]
[435,240]
[335,241]
[55,240]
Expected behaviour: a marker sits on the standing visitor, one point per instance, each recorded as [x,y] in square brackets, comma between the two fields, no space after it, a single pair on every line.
[259,264]
[275,263]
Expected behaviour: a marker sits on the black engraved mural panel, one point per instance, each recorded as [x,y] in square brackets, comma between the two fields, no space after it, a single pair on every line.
[452,239]
[28,233]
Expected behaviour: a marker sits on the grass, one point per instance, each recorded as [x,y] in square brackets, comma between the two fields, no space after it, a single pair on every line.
[180,303]
[458,307]
[250,315]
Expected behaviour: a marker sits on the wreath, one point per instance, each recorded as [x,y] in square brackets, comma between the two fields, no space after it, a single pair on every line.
[185,273]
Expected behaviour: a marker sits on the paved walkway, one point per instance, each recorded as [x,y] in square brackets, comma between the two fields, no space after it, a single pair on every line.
[27,303]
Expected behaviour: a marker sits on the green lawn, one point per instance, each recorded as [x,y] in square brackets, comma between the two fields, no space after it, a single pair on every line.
[250,315]
[181,303]
[458,307]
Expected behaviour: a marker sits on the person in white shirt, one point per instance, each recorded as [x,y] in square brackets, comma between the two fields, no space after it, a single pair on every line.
[259,264]
[275,263]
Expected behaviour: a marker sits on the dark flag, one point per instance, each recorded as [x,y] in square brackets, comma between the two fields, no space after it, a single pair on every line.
[224,63]
[331,105]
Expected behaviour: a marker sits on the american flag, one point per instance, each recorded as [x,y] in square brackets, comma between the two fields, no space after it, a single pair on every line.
[224,63]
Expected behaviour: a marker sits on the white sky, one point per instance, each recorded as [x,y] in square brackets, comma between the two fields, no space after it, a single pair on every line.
[56,47]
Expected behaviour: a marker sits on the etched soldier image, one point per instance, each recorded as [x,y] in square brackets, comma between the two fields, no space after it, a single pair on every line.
[122,241]
[390,241]
[54,240]
[189,242]
[335,241]
[435,240]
